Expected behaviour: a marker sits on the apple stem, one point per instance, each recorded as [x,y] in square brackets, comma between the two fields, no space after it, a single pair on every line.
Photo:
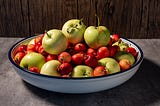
[48,34]
[80,22]
[98,19]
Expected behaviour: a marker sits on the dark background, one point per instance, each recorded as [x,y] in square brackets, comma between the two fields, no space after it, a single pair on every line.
[129,18]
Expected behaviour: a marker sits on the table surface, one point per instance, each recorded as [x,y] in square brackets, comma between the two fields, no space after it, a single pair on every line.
[142,89]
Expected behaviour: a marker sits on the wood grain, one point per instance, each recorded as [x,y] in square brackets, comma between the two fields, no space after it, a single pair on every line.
[49,14]
[14,18]
[129,18]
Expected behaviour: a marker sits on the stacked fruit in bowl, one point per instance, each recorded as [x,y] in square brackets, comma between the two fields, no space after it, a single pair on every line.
[76,51]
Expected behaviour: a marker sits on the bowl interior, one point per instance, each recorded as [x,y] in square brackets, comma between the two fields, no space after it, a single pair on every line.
[13,51]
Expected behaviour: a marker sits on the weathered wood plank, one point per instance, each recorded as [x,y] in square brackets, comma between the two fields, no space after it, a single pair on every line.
[121,16]
[144,18]
[87,11]
[49,14]
[13,18]
[129,18]
[154,19]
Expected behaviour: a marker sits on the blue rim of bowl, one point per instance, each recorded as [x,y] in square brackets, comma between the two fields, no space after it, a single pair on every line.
[71,78]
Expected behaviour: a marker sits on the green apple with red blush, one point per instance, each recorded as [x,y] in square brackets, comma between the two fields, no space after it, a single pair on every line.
[122,45]
[73,30]
[32,59]
[96,37]
[125,55]
[110,64]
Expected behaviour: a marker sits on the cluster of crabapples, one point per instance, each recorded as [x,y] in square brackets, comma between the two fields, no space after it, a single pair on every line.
[76,58]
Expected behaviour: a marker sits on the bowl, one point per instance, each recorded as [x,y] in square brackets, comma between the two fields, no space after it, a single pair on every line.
[75,85]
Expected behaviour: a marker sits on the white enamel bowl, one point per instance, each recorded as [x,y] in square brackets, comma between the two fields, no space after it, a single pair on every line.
[75,85]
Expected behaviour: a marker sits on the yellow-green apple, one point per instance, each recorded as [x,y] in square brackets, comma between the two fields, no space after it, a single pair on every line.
[51,68]
[110,64]
[125,55]
[54,41]
[74,29]
[96,37]
[122,45]
[82,71]
[32,59]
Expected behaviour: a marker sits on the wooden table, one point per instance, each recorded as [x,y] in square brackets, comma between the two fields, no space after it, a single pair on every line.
[141,90]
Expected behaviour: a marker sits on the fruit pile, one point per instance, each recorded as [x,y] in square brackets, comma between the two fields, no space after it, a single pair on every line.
[76,51]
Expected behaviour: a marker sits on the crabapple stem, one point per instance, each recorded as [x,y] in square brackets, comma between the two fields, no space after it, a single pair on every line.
[98,19]
[48,34]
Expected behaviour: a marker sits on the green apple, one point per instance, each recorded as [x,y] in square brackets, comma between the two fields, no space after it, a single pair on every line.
[51,68]
[122,45]
[125,55]
[32,59]
[74,29]
[110,64]
[82,71]
[96,37]
[54,41]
